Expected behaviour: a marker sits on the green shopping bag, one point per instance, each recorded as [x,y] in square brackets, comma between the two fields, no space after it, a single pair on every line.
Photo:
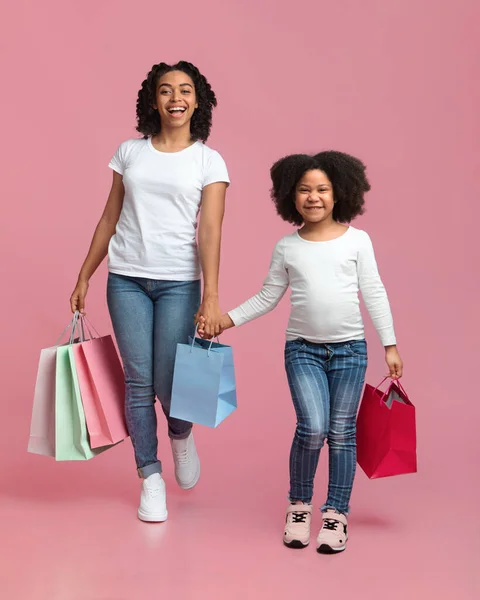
[71,436]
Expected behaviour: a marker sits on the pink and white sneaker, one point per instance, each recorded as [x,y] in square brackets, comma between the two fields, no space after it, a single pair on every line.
[333,536]
[297,526]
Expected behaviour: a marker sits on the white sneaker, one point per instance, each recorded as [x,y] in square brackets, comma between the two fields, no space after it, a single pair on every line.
[187,463]
[153,500]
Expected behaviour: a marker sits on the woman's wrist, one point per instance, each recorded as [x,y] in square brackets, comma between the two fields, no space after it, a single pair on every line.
[210,296]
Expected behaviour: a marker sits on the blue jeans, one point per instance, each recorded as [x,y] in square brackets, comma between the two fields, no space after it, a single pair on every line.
[326,382]
[149,318]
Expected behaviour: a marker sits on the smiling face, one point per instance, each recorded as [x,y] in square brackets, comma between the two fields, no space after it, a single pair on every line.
[176,99]
[314,197]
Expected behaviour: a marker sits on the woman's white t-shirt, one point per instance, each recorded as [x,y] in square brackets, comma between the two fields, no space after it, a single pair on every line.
[155,235]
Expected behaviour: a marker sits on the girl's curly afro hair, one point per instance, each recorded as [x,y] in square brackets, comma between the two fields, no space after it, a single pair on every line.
[346,174]
[148,118]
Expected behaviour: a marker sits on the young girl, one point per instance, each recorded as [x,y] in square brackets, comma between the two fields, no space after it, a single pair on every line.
[148,229]
[325,263]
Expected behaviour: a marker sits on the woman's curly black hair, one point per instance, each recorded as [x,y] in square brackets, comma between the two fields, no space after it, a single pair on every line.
[148,118]
[346,174]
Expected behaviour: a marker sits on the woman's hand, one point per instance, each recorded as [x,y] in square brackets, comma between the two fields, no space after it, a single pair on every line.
[209,317]
[394,362]
[225,323]
[77,299]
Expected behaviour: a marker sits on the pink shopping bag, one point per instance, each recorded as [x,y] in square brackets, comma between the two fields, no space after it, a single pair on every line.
[386,432]
[102,387]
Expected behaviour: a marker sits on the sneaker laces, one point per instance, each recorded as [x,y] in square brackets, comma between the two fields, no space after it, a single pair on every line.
[152,490]
[331,524]
[182,456]
[299,517]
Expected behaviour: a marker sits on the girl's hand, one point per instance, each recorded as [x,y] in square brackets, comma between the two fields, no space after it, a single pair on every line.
[394,362]
[225,323]
[212,315]
[77,299]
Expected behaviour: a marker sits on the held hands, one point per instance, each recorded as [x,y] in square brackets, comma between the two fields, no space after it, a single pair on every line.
[208,318]
[394,362]
[225,323]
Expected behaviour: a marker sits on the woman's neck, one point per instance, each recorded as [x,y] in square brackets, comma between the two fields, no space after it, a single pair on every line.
[172,140]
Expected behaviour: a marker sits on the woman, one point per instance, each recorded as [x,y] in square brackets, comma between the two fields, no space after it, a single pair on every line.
[148,229]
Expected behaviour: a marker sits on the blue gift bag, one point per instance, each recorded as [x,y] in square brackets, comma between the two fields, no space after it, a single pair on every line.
[204,390]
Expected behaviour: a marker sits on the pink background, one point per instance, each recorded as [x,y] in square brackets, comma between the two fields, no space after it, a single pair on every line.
[395,83]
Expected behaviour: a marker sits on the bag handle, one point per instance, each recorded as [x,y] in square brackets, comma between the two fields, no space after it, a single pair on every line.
[89,324]
[193,342]
[79,323]
[394,381]
[63,333]
[77,326]
[73,325]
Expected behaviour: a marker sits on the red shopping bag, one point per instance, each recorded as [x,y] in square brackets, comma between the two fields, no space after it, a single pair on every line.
[386,432]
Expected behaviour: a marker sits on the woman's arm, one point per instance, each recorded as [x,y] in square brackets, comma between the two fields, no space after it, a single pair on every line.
[209,240]
[99,246]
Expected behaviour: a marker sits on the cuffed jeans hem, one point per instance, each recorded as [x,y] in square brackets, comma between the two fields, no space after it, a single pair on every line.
[180,436]
[145,472]
[326,507]
[293,499]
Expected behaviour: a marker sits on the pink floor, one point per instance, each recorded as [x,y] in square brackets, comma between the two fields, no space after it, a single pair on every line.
[69,532]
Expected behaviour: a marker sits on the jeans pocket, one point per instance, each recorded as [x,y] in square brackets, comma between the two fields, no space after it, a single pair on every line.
[292,345]
[357,347]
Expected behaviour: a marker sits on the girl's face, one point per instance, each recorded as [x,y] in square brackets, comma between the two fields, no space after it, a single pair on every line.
[314,197]
[176,99]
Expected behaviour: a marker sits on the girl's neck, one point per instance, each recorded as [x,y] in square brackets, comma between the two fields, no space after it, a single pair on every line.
[173,140]
[322,231]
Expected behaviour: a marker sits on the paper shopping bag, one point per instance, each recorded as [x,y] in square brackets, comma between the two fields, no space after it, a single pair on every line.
[71,437]
[204,389]
[102,387]
[386,432]
[58,426]
[42,428]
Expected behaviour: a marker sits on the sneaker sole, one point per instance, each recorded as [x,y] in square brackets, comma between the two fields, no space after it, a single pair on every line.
[193,483]
[326,549]
[296,544]
[152,518]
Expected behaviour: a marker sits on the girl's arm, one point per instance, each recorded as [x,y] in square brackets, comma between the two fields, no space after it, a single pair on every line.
[99,246]
[273,290]
[209,238]
[378,306]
